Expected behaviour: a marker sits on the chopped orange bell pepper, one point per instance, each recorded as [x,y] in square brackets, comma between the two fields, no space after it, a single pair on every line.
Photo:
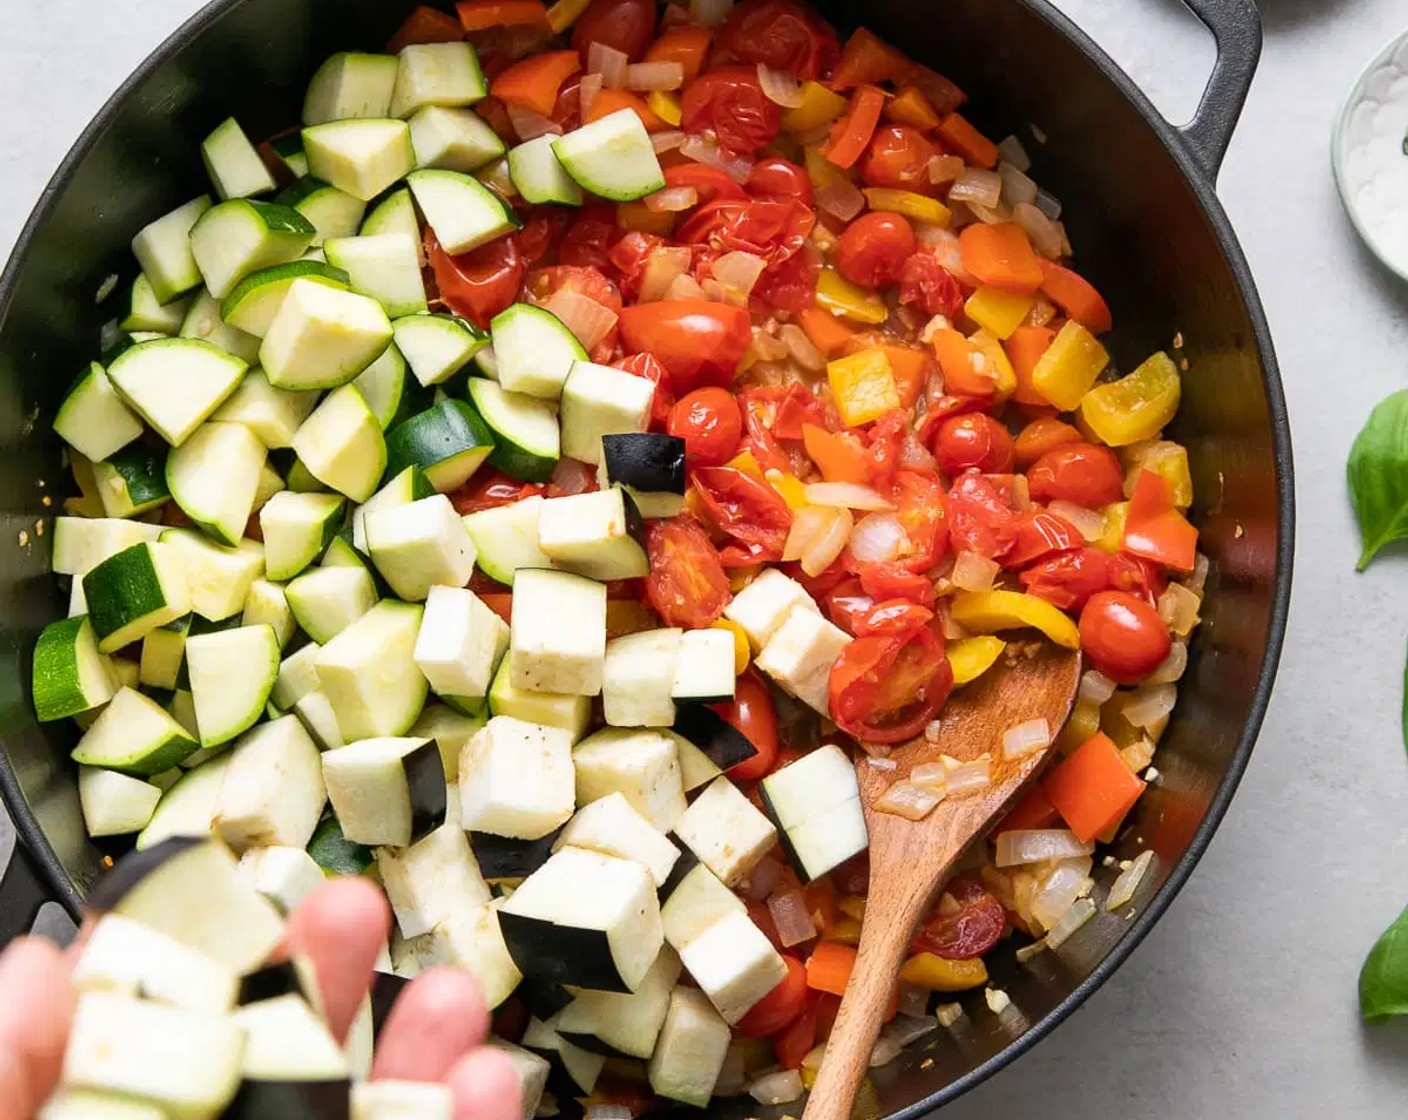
[967,372]
[830,966]
[1064,374]
[997,311]
[1001,256]
[851,134]
[1043,435]
[639,216]
[1092,788]
[828,333]
[686,45]
[1076,296]
[968,142]
[500,603]
[867,59]
[864,386]
[1004,379]
[1033,811]
[840,458]
[533,83]
[425,25]
[609,101]
[1155,529]
[480,15]
[910,367]
[1025,346]
[911,107]
[1135,407]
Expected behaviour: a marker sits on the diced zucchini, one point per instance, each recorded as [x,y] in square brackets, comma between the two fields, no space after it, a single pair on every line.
[448,442]
[164,653]
[385,267]
[437,346]
[350,85]
[92,419]
[533,351]
[342,446]
[233,164]
[462,211]
[325,601]
[369,672]
[188,808]
[115,804]
[420,545]
[506,539]
[213,477]
[395,213]
[297,529]
[267,604]
[437,74]
[273,415]
[218,578]
[174,384]
[383,386]
[238,237]
[133,736]
[82,543]
[289,149]
[204,322]
[612,157]
[232,673]
[132,481]
[70,675]
[257,298]
[453,139]
[144,313]
[362,157]
[333,212]
[163,249]
[322,337]
[538,175]
[134,592]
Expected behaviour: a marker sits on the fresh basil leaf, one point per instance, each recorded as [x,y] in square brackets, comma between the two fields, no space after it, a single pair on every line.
[1378,476]
[1383,982]
[1405,705]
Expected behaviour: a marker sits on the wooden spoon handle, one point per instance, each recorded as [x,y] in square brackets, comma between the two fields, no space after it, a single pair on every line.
[889,923]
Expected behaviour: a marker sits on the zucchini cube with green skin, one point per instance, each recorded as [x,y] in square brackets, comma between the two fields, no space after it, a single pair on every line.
[70,675]
[396,213]
[342,446]
[132,481]
[218,577]
[251,307]
[213,477]
[131,594]
[386,790]
[267,605]
[419,546]
[233,164]
[448,441]
[361,157]
[437,74]
[297,529]
[539,176]
[725,831]
[385,268]
[322,337]
[163,249]
[690,1055]
[326,601]
[437,346]
[333,212]
[599,534]
[460,644]
[164,653]
[369,673]
[600,401]
[204,324]
[188,807]
[146,313]
[115,804]
[93,420]
[612,157]
[240,236]
[273,415]
[463,212]
[427,882]
[174,384]
[527,441]
[384,387]
[516,779]
[533,350]
[406,486]
[641,765]
[273,793]
[298,676]
[232,673]
[552,709]
[558,633]
[82,543]
[350,85]
[453,139]
[506,539]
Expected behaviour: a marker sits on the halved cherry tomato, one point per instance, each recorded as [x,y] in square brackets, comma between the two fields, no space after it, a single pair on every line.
[698,341]
[709,422]
[1042,436]
[1039,533]
[970,931]
[780,1006]
[791,285]
[885,688]
[732,103]
[847,604]
[1140,577]
[686,45]
[627,25]
[926,284]
[709,183]
[782,35]
[778,177]
[478,284]
[1123,636]
[1068,579]
[588,240]
[540,234]
[491,489]
[649,367]
[534,82]
[921,509]
[1082,473]
[745,508]
[687,585]
[974,440]
[981,518]
[752,713]
[872,250]
[771,228]
[774,412]
[890,581]
[893,616]
[899,157]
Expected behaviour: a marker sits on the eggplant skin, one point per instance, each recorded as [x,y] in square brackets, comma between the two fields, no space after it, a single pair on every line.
[650,462]
[500,857]
[386,989]
[687,862]
[565,954]
[543,998]
[722,743]
[271,982]
[291,1100]
[425,779]
[133,869]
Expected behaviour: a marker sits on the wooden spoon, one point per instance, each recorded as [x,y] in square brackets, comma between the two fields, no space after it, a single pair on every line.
[909,860]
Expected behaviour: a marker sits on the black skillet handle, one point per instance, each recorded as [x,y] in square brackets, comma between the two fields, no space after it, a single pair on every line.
[1236,26]
[23,893]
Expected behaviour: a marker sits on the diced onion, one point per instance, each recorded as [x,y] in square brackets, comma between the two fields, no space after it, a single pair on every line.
[1151,704]
[609,62]
[767,347]
[684,287]
[780,87]
[1095,687]
[1065,883]
[709,152]
[1049,205]
[977,185]
[1016,187]
[974,572]
[671,200]
[588,320]
[989,215]
[789,915]
[1026,738]
[946,250]
[817,536]
[106,288]
[931,776]
[666,141]
[802,349]
[877,538]
[648,76]
[967,777]
[914,456]
[882,764]
[1027,952]
[738,270]
[1045,236]
[1016,847]
[1123,888]
[1178,607]
[1138,755]
[885,1051]
[762,879]
[997,1000]
[1090,522]
[847,495]
[530,125]
[590,86]
[913,1002]
[910,1026]
[904,799]
[1080,912]
[733,1076]
[841,199]
[571,477]
[946,1014]
[1174,666]
[661,267]
[1012,152]
[1198,580]
[812,1059]
[707,13]
[608,1112]
[945,169]
[781,1087]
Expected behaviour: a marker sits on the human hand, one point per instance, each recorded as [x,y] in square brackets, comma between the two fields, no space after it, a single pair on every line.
[434,1034]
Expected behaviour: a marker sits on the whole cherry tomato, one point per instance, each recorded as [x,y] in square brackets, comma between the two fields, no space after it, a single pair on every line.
[627,25]
[780,1006]
[899,157]
[731,103]
[709,422]
[780,34]
[1082,473]
[687,585]
[745,508]
[1039,533]
[479,284]
[1068,579]
[771,228]
[699,342]
[926,284]
[1123,636]
[1042,436]
[777,177]
[751,711]
[973,440]
[970,931]
[885,688]
[873,248]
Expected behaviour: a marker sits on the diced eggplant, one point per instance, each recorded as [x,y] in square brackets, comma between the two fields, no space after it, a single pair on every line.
[734,964]
[723,743]
[125,956]
[613,827]
[725,831]
[532,1070]
[501,857]
[815,803]
[627,1024]
[327,1099]
[517,779]
[285,876]
[692,900]
[286,1040]
[430,879]
[387,791]
[474,939]
[643,765]
[401,1100]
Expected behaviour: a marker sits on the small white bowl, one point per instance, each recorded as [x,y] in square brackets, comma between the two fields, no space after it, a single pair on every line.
[1370,156]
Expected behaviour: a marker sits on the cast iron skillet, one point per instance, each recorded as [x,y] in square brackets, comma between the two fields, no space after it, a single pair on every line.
[1139,200]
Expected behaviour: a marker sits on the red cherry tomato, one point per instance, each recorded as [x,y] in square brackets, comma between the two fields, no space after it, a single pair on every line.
[488,490]
[745,508]
[540,233]
[771,228]
[1039,533]
[731,103]
[588,239]
[687,585]
[973,440]
[649,367]
[1041,436]
[699,342]
[899,157]
[708,182]
[780,1006]
[847,604]
[1123,636]
[1082,473]
[776,177]
[780,34]
[791,285]
[751,712]
[629,256]
[1069,579]
[970,931]
[479,284]
[709,422]
[885,688]
[981,517]
[627,25]
[890,581]
[873,248]
[893,616]
[926,284]
[922,511]
[795,1041]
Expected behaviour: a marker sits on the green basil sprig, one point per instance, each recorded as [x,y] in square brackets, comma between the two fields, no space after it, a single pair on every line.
[1378,477]
[1383,981]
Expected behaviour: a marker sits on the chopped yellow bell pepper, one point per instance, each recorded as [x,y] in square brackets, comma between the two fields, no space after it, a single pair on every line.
[839,296]
[918,207]
[864,386]
[1166,459]
[789,486]
[846,931]
[742,654]
[821,171]
[852,905]
[988,611]
[565,13]
[666,106]
[639,216]
[819,106]
[1135,407]
[1113,536]
[1004,382]
[998,312]
[1082,724]
[1065,373]
[936,974]
[972,657]
[745,462]
[739,578]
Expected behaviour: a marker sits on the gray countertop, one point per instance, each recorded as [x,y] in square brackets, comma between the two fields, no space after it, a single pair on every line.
[1242,1001]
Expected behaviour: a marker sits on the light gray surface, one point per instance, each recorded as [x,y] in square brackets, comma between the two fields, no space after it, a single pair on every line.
[1242,1001]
